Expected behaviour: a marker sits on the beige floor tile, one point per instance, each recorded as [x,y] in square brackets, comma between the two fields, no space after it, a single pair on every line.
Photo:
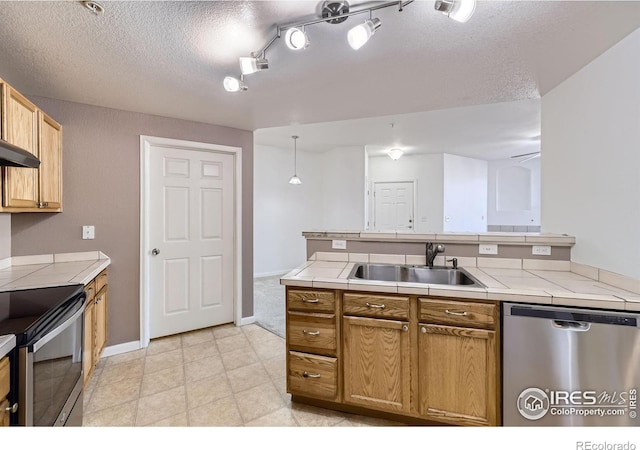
[221,413]
[162,380]
[117,416]
[200,351]
[239,358]
[109,395]
[224,331]
[197,337]
[258,401]
[277,367]
[179,420]
[255,332]
[161,406]
[281,385]
[164,344]
[203,368]
[247,377]
[125,357]
[270,348]
[311,416]
[162,361]
[207,390]
[119,372]
[231,343]
[279,418]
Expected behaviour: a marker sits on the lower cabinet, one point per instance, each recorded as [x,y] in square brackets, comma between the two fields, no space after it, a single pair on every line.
[95,323]
[377,370]
[4,392]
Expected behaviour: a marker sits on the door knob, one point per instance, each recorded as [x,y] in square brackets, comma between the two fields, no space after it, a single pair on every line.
[155,251]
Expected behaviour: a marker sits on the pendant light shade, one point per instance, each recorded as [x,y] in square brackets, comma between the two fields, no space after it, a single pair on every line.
[295,179]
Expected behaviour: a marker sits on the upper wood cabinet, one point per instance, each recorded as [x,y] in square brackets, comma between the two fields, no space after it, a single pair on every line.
[24,125]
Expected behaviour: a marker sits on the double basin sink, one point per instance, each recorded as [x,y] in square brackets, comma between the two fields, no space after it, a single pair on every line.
[413,274]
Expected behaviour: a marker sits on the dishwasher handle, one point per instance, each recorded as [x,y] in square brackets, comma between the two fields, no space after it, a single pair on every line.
[571,325]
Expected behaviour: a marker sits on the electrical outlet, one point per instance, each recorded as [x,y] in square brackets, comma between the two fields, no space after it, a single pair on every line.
[339,244]
[88,232]
[488,249]
[544,250]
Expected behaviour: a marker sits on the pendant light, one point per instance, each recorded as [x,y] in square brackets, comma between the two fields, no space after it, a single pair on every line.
[295,179]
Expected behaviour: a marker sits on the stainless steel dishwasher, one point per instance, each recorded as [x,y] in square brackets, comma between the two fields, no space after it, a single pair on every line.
[570,366]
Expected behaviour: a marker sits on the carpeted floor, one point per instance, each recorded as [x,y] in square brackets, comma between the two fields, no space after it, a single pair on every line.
[269,304]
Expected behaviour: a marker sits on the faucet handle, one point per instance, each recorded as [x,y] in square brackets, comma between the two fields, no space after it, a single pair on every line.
[454,261]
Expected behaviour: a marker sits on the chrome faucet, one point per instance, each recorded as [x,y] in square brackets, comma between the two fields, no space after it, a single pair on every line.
[432,251]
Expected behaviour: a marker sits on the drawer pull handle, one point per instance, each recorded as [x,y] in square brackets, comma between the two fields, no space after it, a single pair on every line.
[372,305]
[310,375]
[311,333]
[311,300]
[456,313]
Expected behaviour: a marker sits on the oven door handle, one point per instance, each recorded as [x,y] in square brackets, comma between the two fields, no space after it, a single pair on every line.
[47,338]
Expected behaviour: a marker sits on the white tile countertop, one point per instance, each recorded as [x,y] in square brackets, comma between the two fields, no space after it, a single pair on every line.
[29,272]
[7,343]
[563,283]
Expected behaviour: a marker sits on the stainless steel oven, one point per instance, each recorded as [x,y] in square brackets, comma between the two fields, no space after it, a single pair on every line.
[48,324]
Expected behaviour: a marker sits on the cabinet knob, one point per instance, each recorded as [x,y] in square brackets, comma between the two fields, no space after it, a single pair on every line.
[405,328]
[423,330]
[12,409]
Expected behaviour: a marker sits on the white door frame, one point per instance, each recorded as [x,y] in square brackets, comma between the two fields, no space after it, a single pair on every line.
[145,152]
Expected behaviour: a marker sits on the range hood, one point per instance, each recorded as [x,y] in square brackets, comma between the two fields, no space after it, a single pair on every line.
[14,156]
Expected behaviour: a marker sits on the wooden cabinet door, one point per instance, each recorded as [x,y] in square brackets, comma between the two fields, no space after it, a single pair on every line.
[5,418]
[20,127]
[457,375]
[50,172]
[89,340]
[376,363]
[100,323]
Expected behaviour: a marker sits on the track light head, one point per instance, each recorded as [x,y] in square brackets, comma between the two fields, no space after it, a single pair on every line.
[360,34]
[250,64]
[458,10]
[232,84]
[296,38]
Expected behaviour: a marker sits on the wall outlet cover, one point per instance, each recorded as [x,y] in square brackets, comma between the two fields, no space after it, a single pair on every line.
[339,244]
[88,232]
[488,249]
[544,250]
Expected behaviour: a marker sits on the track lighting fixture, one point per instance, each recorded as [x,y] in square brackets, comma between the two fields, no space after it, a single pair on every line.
[360,34]
[458,10]
[251,64]
[335,12]
[232,84]
[296,38]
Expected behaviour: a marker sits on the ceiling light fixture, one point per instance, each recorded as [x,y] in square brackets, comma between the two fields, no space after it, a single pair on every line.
[94,7]
[360,34]
[232,84]
[458,10]
[395,153]
[251,64]
[335,12]
[295,179]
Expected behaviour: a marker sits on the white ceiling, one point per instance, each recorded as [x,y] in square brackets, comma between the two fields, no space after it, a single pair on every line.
[169,58]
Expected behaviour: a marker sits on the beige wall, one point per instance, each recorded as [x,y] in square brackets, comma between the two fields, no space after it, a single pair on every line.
[102,188]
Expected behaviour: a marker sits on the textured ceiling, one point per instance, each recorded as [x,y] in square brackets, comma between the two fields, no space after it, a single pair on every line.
[169,58]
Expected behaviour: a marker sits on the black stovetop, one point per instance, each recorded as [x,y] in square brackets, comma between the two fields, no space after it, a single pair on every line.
[30,311]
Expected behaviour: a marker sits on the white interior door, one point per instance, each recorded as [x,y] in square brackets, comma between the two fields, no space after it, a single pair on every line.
[393,206]
[191,239]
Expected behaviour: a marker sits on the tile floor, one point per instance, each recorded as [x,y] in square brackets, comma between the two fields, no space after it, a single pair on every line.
[222,376]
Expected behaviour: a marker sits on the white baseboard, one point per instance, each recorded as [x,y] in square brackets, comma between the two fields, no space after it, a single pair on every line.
[247,320]
[271,274]
[121,348]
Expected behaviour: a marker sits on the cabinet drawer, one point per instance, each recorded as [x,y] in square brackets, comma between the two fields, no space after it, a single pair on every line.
[461,313]
[376,306]
[101,280]
[312,376]
[90,289]
[311,300]
[312,332]
[4,377]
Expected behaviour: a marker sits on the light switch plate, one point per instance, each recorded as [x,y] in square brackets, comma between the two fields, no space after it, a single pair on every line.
[544,250]
[488,249]
[88,232]
[339,244]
